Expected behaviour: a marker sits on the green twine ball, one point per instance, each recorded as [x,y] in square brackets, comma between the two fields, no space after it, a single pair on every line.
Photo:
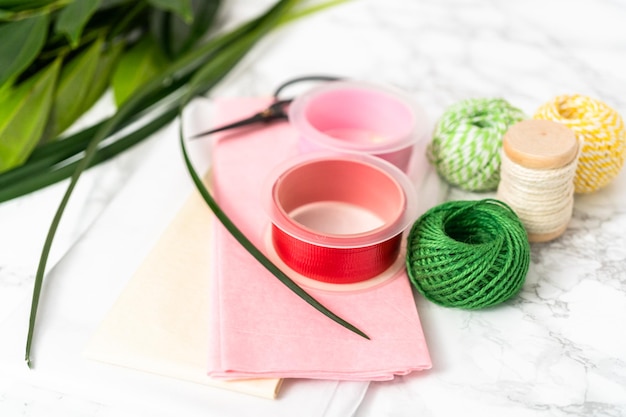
[466,143]
[468,254]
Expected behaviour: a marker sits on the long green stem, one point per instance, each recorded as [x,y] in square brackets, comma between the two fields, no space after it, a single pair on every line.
[205,79]
[254,251]
[186,65]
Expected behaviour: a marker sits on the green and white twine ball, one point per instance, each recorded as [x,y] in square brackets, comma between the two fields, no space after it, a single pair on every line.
[468,254]
[466,144]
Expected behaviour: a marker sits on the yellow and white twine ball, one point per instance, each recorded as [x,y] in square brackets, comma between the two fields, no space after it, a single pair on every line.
[599,129]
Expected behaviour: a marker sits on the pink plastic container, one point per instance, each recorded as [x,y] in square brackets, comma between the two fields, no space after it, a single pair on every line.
[357,117]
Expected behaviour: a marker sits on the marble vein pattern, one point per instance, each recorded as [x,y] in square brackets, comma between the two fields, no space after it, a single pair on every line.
[559,347]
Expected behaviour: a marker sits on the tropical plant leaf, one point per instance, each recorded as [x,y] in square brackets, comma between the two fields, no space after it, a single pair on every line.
[81,85]
[106,4]
[24,4]
[75,82]
[136,67]
[314,8]
[174,35]
[20,44]
[6,89]
[73,18]
[180,7]
[103,74]
[24,116]
[15,11]
[56,173]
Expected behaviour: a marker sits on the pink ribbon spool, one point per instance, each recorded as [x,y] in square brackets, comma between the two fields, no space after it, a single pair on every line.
[357,117]
[339,218]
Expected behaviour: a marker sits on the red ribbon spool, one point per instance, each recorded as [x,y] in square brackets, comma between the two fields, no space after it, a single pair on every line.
[339,219]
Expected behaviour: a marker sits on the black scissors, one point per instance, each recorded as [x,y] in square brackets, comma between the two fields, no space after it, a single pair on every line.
[275,111]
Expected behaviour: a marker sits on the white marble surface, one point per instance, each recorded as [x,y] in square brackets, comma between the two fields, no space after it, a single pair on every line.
[558,349]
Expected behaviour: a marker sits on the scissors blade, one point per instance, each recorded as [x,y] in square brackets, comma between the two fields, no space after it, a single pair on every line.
[240,123]
[276,111]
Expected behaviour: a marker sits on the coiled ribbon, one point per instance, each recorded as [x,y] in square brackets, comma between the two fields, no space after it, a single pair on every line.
[339,218]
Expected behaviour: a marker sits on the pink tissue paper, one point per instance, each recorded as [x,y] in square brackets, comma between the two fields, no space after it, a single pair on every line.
[258,327]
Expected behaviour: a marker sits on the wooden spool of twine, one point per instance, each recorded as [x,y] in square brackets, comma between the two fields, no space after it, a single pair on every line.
[539,159]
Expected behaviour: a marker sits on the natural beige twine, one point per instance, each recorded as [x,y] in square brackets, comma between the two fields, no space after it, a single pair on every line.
[542,198]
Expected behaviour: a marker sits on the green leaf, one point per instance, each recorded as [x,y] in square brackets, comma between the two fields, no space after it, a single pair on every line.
[6,89]
[314,8]
[37,171]
[75,82]
[24,4]
[136,67]
[174,35]
[180,7]
[56,173]
[21,43]
[24,115]
[73,18]
[103,74]
[107,4]
[21,10]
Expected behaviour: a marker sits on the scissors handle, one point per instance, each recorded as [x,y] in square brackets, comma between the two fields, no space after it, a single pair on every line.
[275,111]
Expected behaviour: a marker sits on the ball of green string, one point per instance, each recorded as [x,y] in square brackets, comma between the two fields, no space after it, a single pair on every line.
[466,143]
[468,254]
